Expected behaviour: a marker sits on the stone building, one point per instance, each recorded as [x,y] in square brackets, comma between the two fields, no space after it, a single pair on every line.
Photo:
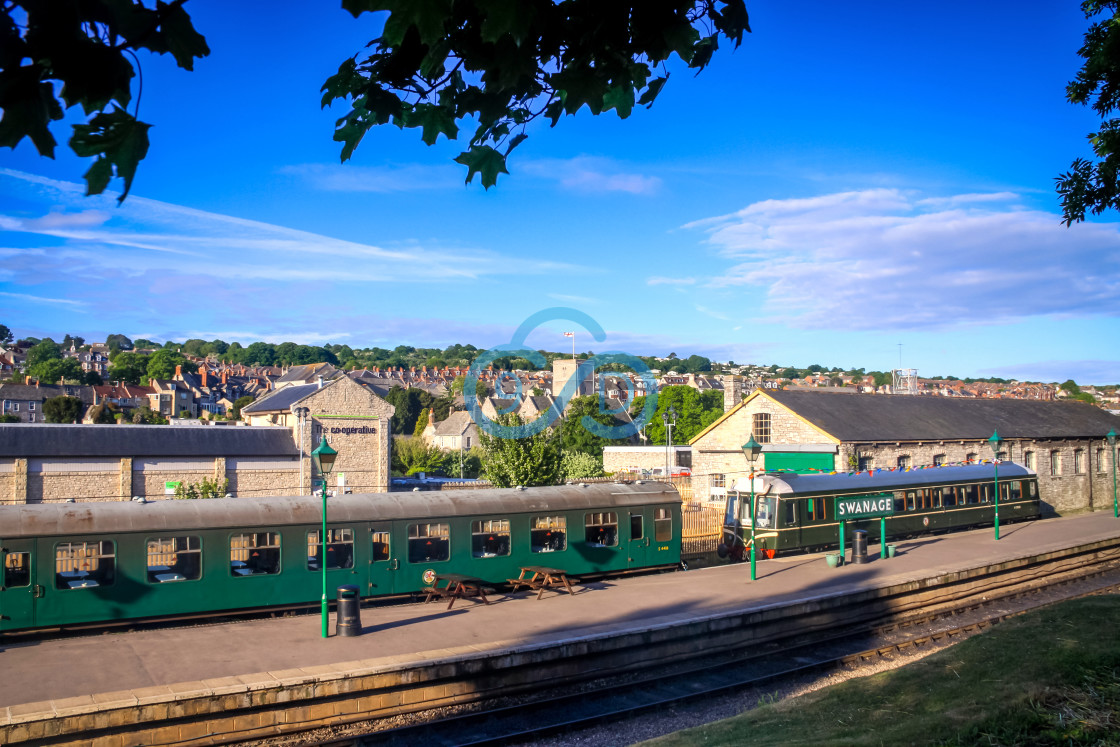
[832,430]
[272,457]
[647,458]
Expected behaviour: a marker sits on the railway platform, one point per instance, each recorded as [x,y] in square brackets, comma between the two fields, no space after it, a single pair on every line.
[206,683]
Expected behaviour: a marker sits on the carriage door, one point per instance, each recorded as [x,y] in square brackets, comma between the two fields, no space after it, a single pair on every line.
[640,528]
[18,590]
[384,561]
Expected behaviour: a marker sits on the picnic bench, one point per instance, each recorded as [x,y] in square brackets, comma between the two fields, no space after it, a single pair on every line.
[452,586]
[541,578]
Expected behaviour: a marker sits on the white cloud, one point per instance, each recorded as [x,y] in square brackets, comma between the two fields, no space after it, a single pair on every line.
[349,178]
[670,281]
[76,305]
[713,314]
[881,259]
[573,299]
[592,175]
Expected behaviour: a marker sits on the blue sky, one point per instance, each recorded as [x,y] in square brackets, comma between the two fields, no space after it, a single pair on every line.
[849,180]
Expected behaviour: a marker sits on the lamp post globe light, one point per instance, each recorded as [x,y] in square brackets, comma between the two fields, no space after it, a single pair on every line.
[751,450]
[1111,438]
[323,457]
[995,441]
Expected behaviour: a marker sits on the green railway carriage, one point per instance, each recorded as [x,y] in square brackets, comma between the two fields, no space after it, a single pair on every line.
[802,512]
[73,563]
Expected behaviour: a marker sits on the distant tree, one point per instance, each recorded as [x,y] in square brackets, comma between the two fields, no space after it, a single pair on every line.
[881,378]
[162,364]
[63,410]
[695,364]
[215,347]
[57,369]
[575,465]
[8,418]
[128,368]
[538,392]
[1070,386]
[102,414]
[238,404]
[421,423]
[258,354]
[412,456]
[43,351]
[147,416]
[184,414]
[92,378]
[576,438]
[120,342]
[408,404]
[5,335]
[695,411]
[528,461]
[141,343]
[206,489]
[193,348]
[789,373]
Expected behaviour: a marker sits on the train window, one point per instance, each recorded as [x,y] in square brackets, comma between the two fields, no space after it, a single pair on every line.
[969,494]
[985,493]
[899,502]
[254,554]
[380,543]
[81,565]
[428,543]
[815,509]
[791,513]
[174,559]
[1034,489]
[1016,490]
[489,538]
[765,511]
[662,525]
[911,500]
[949,497]
[601,528]
[340,549]
[637,527]
[548,533]
[17,569]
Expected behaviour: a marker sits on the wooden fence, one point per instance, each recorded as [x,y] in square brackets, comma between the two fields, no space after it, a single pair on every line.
[702,526]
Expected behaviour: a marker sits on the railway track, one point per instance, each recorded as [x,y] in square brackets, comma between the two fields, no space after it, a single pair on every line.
[608,701]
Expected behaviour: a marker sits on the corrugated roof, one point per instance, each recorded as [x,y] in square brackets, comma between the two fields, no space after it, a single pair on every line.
[47,440]
[898,417]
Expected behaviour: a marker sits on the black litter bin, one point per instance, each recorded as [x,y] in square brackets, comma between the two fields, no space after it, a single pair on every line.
[859,546]
[349,612]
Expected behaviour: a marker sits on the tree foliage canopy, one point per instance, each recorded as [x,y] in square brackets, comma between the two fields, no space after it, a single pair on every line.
[86,50]
[1094,186]
[504,63]
[508,462]
[63,409]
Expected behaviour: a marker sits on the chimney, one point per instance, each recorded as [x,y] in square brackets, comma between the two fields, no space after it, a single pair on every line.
[320,382]
[36,383]
[27,380]
[225,376]
[732,392]
[202,372]
[178,372]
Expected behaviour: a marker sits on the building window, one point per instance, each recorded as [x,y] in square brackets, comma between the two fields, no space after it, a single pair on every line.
[904,461]
[1028,459]
[1055,462]
[1101,460]
[1079,461]
[970,457]
[719,481]
[31,407]
[866,463]
[490,538]
[938,460]
[761,424]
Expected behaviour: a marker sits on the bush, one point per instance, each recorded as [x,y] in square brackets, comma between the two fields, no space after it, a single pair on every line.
[206,489]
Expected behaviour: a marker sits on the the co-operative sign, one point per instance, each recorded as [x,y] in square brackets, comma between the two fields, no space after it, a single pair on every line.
[865,506]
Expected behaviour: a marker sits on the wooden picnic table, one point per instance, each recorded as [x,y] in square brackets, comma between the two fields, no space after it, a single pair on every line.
[454,586]
[541,578]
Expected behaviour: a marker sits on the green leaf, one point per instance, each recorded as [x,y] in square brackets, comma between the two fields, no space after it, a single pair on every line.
[517,140]
[98,176]
[651,92]
[426,16]
[502,17]
[29,106]
[434,120]
[483,160]
[119,139]
[621,99]
[183,41]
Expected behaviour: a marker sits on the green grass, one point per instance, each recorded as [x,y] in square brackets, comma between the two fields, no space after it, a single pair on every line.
[1050,677]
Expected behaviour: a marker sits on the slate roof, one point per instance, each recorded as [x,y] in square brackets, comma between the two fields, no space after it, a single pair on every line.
[48,440]
[308,371]
[456,424]
[898,417]
[281,400]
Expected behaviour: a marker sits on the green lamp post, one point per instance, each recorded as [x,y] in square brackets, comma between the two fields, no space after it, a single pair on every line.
[323,456]
[751,450]
[995,441]
[1111,436]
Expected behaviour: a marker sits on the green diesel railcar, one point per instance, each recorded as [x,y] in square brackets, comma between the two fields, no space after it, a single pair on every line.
[803,512]
[74,563]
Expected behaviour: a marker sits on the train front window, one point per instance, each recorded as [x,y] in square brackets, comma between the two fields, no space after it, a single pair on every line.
[490,538]
[548,533]
[174,559]
[429,543]
[254,554]
[662,525]
[340,549]
[766,511]
[600,528]
[379,551]
[82,565]
[17,569]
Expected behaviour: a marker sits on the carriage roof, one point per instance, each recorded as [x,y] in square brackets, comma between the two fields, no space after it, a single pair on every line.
[789,484]
[71,519]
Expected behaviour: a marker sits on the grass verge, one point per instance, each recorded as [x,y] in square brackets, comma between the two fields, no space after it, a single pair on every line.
[1050,677]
